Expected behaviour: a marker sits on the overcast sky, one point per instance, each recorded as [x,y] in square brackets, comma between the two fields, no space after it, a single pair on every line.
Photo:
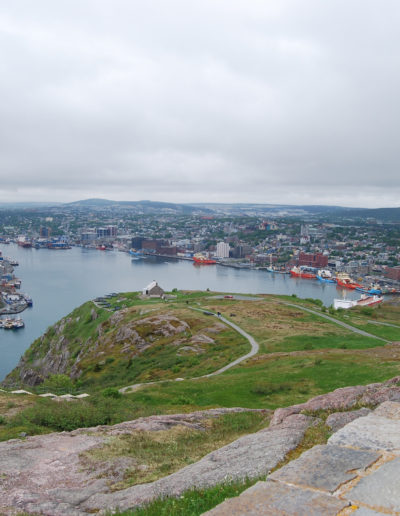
[209,100]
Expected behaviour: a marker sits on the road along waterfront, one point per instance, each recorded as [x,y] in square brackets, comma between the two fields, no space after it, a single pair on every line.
[59,281]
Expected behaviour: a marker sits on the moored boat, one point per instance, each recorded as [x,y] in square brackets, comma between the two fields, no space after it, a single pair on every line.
[369,300]
[12,324]
[344,280]
[303,272]
[24,242]
[364,300]
[325,276]
[200,259]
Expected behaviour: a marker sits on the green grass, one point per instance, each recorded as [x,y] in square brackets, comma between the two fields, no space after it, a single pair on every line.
[329,340]
[323,357]
[194,502]
[387,312]
[103,360]
[163,359]
[164,452]
[303,377]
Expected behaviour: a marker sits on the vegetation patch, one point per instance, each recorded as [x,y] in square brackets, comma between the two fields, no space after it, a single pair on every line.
[193,502]
[160,453]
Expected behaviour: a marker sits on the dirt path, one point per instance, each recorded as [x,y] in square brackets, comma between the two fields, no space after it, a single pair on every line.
[254,350]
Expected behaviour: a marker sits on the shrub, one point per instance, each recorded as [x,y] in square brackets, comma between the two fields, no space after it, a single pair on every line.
[268,388]
[58,383]
[111,392]
[63,416]
[317,302]
[367,310]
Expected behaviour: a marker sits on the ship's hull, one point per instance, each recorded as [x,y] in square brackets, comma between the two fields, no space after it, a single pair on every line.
[204,261]
[325,280]
[370,301]
[304,275]
[349,285]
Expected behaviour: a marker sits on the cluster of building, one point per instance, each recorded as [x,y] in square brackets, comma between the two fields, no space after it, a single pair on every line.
[353,246]
[11,301]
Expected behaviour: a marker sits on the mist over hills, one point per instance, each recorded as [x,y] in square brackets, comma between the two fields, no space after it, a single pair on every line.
[221,209]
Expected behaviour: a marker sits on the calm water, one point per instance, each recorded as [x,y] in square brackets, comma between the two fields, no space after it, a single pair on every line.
[58,281]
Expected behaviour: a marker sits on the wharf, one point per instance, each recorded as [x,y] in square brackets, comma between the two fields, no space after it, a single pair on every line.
[13,309]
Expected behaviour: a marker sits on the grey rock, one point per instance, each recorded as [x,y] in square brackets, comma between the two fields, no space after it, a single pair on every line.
[338,420]
[370,432]
[247,457]
[364,511]
[345,398]
[50,474]
[275,499]
[389,409]
[325,467]
[380,489]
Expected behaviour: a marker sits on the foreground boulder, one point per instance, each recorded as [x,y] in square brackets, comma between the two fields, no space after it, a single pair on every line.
[356,472]
[47,475]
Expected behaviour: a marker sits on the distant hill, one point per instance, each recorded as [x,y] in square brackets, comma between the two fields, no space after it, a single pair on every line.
[227,209]
[144,206]
[382,214]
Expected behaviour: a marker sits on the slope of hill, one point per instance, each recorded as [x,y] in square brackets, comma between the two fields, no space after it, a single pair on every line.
[152,342]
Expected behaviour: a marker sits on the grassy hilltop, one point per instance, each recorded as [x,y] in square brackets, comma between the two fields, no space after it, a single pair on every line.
[301,354]
[99,350]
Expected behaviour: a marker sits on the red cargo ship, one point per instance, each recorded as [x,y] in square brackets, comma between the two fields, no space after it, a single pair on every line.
[199,259]
[303,272]
[344,280]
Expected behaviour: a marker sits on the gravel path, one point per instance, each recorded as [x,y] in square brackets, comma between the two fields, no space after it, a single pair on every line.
[254,350]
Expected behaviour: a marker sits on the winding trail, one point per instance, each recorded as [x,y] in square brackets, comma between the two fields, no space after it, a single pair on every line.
[254,350]
[253,343]
[336,321]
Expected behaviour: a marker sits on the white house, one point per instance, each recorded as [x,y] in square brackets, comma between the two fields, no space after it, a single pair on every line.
[153,289]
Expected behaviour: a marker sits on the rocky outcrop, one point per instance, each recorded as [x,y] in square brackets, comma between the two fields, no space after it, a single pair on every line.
[49,474]
[338,420]
[122,336]
[356,472]
[344,398]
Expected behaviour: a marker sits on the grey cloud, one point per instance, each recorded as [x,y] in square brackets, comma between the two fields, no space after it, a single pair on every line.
[256,101]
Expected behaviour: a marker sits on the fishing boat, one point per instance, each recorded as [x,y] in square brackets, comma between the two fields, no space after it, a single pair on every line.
[58,245]
[372,289]
[200,259]
[303,272]
[135,253]
[24,241]
[344,280]
[325,276]
[270,268]
[28,299]
[12,324]
[364,300]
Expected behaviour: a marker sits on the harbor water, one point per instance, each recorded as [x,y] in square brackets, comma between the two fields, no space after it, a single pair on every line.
[60,280]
